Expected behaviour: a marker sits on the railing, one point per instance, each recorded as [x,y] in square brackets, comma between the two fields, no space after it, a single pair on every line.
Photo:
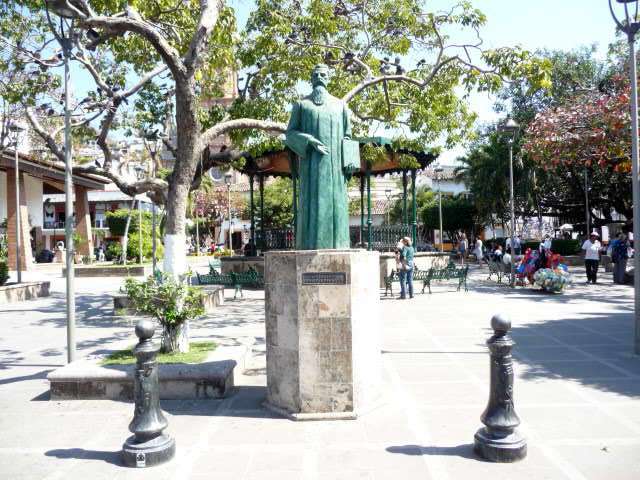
[276,239]
[384,238]
[61,225]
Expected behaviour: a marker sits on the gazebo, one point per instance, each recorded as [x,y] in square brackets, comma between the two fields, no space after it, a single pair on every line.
[283,163]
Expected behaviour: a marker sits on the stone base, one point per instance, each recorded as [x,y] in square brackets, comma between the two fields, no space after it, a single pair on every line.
[322,332]
[19,292]
[497,449]
[156,451]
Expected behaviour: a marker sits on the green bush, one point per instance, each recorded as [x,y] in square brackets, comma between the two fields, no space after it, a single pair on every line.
[4,272]
[172,302]
[113,252]
[565,247]
[147,245]
[117,221]
[558,245]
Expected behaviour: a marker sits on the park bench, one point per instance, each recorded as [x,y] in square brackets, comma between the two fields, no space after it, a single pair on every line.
[450,272]
[500,270]
[250,278]
[215,265]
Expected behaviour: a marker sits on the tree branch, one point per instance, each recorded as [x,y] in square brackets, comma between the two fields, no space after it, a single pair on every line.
[241,124]
[209,12]
[46,137]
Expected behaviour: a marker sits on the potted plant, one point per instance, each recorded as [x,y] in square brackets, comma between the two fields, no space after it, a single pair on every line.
[170,301]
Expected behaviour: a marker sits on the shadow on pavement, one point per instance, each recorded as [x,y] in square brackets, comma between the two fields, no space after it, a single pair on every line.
[595,350]
[82,454]
[464,451]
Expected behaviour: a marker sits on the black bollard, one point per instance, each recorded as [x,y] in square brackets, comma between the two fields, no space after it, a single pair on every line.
[148,446]
[499,441]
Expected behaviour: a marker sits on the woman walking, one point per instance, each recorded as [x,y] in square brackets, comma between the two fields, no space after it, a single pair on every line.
[406,272]
[478,251]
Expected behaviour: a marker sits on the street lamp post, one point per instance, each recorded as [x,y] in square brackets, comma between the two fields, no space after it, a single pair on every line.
[437,170]
[227,180]
[387,193]
[631,26]
[510,130]
[154,147]
[15,130]
[140,174]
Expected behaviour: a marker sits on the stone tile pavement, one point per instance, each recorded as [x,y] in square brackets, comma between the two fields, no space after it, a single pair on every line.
[577,392]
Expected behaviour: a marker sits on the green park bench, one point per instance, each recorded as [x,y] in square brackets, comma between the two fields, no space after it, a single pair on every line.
[500,270]
[444,274]
[215,265]
[250,278]
[427,276]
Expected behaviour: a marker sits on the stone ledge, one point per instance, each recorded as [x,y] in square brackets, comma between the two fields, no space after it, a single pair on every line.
[86,379]
[97,271]
[19,292]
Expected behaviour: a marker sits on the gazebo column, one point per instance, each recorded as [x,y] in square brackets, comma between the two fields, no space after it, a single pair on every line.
[362,180]
[414,208]
[83,222]
[26,256]
[262,236]
[252,211]
[405,219]
[369,221]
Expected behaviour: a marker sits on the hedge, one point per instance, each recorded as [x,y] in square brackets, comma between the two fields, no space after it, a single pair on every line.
[4,272]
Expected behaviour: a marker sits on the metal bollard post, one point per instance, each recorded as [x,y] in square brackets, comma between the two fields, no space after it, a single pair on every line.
[148,446]
[499,441]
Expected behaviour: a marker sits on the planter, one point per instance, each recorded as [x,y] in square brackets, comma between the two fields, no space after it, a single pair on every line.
[110,271]
[23,291]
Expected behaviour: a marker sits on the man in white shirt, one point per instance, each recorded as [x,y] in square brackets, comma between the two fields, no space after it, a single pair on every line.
[592,257]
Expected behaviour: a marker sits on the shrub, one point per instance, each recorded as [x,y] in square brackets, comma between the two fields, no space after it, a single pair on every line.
[113,252]
[4,272]
[172,302]
[147,246]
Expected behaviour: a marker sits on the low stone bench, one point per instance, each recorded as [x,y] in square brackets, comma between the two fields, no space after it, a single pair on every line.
[110,271]
[19,292]
[88,380]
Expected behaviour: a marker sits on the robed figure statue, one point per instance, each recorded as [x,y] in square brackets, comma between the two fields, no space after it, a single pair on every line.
[319,133]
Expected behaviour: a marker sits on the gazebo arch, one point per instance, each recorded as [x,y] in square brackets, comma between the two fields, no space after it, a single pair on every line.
[283,163]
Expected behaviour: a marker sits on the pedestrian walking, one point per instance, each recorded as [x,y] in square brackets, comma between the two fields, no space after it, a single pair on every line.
[463,247]
[517,245]
[478,251]
[619,256]
[592,248]
[406,273]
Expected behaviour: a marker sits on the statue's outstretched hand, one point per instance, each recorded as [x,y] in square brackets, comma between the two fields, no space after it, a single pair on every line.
[319,146]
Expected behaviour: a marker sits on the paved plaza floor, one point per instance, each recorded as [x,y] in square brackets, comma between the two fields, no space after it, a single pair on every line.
[577,392]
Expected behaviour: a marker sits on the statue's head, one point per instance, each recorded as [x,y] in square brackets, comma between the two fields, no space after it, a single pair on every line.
[320,75]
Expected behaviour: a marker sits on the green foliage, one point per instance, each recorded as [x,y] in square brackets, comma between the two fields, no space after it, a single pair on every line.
[458,214]
[4,272]
[198,353]
[424,198]
[117,221]
[172,302]
[147,245]
[114,251]
[278,204]
[4,247]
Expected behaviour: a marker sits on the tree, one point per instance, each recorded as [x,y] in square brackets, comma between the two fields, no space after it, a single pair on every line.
[424,197]
[184,54]
[458,215]
[278,204]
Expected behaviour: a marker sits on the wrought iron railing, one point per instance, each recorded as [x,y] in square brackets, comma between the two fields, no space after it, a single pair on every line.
[384,238]
[276,239]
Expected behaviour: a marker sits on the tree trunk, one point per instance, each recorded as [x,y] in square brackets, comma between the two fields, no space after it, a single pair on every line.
[125,239]
[175,338]
[188,152]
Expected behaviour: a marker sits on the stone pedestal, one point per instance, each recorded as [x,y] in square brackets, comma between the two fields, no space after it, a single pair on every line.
[322,332]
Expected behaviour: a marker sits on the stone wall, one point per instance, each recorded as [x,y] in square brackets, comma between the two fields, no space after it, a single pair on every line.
[242,264]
